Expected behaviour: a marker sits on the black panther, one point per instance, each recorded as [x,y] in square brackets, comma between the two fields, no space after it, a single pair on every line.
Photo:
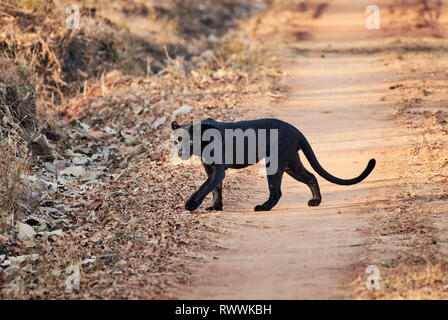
[280,153]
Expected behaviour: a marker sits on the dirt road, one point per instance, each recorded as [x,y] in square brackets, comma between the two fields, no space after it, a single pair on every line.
[339,98]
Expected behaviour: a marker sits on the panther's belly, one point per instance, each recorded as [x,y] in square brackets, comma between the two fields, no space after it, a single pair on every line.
[238,166]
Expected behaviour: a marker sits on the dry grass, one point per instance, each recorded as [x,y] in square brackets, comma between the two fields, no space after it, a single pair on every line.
[65,61]
[11,186]
[17,122]
[428,281]
[406,237]
[17,96]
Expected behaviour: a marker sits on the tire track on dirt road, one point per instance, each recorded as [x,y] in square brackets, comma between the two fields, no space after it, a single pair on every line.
[294,251]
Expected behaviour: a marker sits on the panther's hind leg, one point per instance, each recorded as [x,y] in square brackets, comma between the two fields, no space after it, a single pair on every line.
[217,192]
[296,170]
[275,193]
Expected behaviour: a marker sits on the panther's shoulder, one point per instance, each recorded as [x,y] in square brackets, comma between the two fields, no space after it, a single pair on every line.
[209,121]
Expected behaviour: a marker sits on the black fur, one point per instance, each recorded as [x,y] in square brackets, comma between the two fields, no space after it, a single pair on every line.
[290,141]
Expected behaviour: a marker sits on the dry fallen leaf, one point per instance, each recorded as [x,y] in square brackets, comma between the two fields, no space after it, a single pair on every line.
[3,239]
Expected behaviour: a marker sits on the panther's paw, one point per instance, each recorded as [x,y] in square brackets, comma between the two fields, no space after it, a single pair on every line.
[261,207]
[213,208]
[192,204]
[314,202]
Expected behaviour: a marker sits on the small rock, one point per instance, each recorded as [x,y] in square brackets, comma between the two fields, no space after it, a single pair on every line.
[75,171]
[77,136]
[158,122]
[110,131]
[80,161]
[138,110]
[40,146]
[3,239]
[130,141]
[84,126]
[185,109]
[52,212]
[33,197]
[83,150]
[20,259]
[96,237]
[88,261]
[61,164]
[41,227]
[16,284]
[92,177]
[29,244]
[50,167]
[58,224]
[46,186]
[58,233]
[26,232]
[28,268]
[219,74]
[3,275]
[62,181]
[96,156]
[97,135]
[106,154]
[13,268]
[122,262]
[38,223]
[5,264]
[75,278]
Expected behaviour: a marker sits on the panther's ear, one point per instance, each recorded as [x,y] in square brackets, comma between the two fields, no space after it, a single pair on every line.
[175,125]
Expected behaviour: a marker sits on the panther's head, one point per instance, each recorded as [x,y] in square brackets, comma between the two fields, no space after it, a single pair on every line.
[186,136]
[182,137]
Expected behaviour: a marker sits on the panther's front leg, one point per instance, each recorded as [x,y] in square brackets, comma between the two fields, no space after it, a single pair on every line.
[211,184]
[217,192]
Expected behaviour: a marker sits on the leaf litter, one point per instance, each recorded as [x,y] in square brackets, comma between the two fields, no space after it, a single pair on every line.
[98,190]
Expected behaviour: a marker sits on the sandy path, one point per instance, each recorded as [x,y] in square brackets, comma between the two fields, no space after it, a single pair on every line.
[297,252]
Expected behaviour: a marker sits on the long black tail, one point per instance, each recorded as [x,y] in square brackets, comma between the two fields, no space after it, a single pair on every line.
[306,148]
